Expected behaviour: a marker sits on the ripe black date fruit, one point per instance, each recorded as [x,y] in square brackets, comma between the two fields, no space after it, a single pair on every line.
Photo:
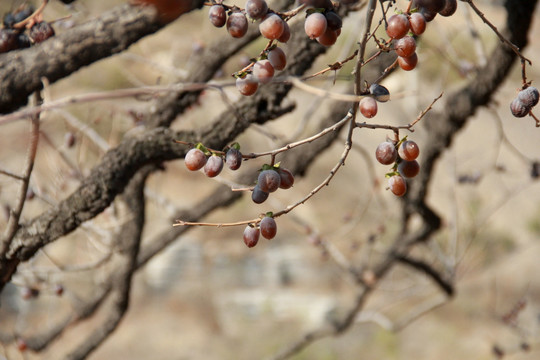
[41,31]
[9,40]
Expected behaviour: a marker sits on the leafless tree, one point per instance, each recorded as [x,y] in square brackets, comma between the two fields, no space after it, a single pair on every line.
[117,183]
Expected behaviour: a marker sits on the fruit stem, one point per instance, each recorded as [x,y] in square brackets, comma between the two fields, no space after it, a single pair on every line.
[21,24]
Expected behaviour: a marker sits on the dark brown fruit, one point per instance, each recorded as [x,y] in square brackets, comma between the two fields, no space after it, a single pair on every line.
[449,8]
[409,169]
[8,40]
[217,15]
[287,179]
[41,31]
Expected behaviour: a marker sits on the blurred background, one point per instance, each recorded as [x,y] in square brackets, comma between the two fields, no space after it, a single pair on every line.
[210,297]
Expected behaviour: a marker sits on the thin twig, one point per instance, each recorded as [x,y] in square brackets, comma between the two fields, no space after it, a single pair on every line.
[110,95]
[494,28]
[289,208]
[10,174]
[15,213]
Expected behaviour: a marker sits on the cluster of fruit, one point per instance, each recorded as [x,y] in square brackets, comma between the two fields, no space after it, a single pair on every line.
[430,8]
[262,72]
[399,25]
[322,23]
[270,179]
[212,162]
[22,28]
[524,102]
[403,155]
[267,228]
[272,26]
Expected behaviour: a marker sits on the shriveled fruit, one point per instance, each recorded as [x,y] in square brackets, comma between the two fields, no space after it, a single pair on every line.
[269,180]
[195,159]
[368,107]
[268,227]
[247,85]
[409,150]
[41,31]
[8,40]
[251,236]
[217,15]
[237,25]
[386,153]
[529,96]
[213,166]
[397,185]
[518,108]
[286,178]
[233,159]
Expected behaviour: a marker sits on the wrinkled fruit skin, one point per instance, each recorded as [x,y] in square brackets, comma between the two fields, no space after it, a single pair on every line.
[518,108]
[41,32]
[529,97]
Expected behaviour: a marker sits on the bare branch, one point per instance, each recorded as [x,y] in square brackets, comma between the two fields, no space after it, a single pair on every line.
[66,53]
[15,214]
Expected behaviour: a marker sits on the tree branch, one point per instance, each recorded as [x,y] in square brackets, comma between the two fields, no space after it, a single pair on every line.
[114,31]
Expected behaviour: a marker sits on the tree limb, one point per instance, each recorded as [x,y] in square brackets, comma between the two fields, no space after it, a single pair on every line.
[21,71]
